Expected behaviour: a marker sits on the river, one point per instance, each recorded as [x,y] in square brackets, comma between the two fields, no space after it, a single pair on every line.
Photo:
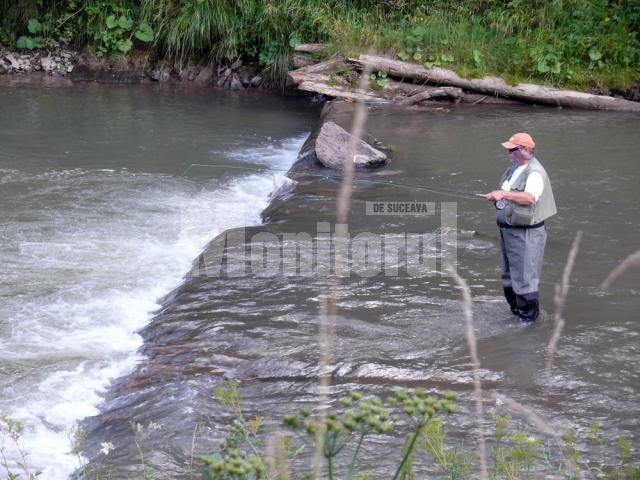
[101,323]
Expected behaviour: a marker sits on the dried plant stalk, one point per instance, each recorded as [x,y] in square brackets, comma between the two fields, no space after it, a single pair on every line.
[544,427]
[562,290]
[631,261]
[329,308]
[472,342]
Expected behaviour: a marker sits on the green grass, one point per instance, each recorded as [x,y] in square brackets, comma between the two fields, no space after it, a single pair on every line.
[584,44]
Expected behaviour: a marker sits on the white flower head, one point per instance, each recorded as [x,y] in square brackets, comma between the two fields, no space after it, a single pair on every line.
[499,402]
[154,426]
[106,447]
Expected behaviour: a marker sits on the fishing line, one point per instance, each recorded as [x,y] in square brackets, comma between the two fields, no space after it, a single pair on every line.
[446,191]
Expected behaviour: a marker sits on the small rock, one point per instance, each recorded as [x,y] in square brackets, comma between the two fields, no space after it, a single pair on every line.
[37,67]
[256,81]
[235,84]
[236,65]
[154,75]
[69,68]
[205,75]
[191,76]
[48,65]
[12,61]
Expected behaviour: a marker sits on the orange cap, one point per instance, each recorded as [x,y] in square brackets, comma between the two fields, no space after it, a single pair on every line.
[519,140]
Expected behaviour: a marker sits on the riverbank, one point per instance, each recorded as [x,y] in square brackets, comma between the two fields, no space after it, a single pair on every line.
[391,81]
[134,68]
[590,47]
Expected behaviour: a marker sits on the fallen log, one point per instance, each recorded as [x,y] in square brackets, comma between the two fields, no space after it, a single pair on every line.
[309,48]
[496,86]
[394,88]
[301,60]
[478,98]
[432,92]
[332,65]
[339,91]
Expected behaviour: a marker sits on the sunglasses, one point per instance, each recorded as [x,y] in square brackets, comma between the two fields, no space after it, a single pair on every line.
[511,150]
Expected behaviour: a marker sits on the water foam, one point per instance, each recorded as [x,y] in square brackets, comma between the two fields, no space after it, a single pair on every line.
[87,274]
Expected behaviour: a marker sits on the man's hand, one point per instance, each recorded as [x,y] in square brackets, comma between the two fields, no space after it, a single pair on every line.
[495,195]
[521,198]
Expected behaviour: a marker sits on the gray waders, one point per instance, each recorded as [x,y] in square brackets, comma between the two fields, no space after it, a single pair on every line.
[522,240]
[521,254]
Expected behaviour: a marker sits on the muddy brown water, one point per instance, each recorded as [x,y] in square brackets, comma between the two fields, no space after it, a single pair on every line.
[262,330]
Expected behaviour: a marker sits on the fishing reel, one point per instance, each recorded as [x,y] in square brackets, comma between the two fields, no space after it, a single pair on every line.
[501,204]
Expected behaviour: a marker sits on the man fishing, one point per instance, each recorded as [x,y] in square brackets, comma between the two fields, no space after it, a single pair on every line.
[524,201]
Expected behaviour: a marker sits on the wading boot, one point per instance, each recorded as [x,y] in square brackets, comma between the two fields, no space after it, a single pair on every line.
[528,307]
[510,295]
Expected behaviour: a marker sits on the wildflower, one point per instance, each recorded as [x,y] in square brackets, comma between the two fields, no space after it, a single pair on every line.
[137,427]
[499,402]
[106,447]
[154,426]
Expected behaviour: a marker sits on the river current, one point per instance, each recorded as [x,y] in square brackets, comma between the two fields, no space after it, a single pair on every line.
[108,317]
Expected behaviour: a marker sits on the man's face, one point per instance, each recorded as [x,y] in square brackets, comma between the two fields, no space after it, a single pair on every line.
[512,153]
[518,153]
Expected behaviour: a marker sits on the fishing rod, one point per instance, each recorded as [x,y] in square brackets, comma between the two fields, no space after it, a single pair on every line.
[445,191]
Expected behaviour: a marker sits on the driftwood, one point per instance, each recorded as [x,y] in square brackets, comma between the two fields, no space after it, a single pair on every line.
[496,86]
[451,92]
[327,67]
[477,98]
[394,88]
[309,48]
[338,91]
[301,60]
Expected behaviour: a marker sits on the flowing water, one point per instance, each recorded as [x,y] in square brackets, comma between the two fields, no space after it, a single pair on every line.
[101,222]
[98,222]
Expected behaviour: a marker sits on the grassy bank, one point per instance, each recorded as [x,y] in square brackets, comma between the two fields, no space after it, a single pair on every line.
[575,43]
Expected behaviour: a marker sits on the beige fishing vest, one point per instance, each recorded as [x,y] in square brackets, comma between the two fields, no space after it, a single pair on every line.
[527,215]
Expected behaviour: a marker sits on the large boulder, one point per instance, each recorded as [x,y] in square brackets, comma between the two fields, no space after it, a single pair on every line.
[332,149]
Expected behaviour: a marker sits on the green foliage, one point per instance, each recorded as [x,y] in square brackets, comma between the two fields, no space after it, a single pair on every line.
[12,430]
[380,78]
[359,419]
[229,397]
[233,466]
[114,25]
[581,44]
[111,25]
[451,459]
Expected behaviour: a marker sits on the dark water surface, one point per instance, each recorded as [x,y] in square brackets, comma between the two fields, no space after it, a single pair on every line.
[390,330]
